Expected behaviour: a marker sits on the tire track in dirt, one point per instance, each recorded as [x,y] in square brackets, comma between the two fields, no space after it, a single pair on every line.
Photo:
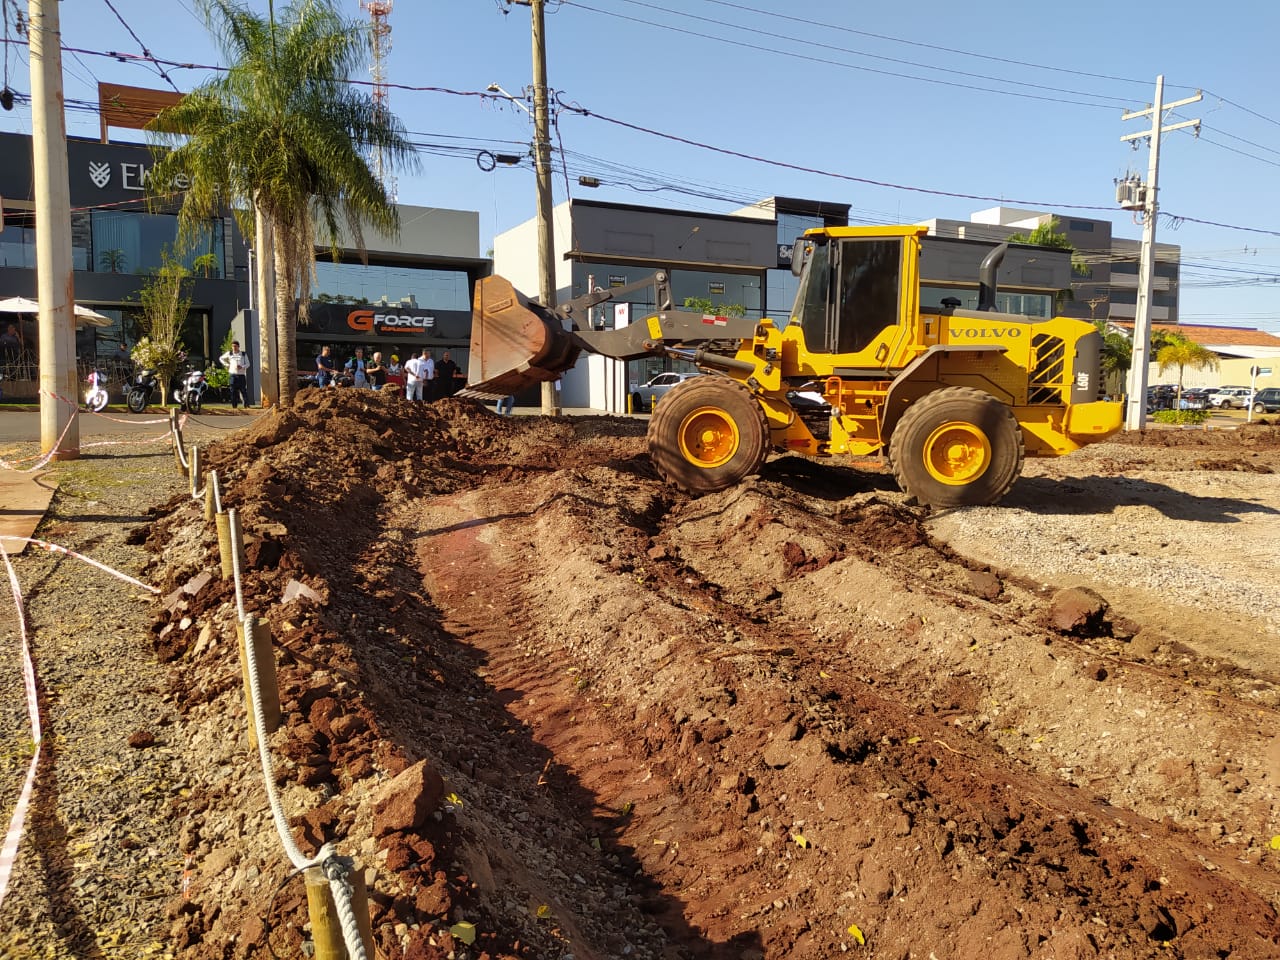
[787,753]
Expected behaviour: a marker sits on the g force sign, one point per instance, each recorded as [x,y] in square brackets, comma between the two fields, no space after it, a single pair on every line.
[387,320]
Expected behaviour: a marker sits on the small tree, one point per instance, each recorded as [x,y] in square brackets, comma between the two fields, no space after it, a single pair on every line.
[206,263]
[113,260]
[1048,235]
[1180,352]
[704,305]
[165,305]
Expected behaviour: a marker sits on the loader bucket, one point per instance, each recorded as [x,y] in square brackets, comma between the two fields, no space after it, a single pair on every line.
[514,343]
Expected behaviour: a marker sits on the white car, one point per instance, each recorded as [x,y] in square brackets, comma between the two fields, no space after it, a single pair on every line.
[1228,398]
[646,395]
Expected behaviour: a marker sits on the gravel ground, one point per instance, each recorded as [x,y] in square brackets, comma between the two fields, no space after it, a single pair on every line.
[100,871]
[101,851]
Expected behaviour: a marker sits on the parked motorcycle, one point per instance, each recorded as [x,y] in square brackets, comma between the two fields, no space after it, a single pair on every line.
[140,390]
[189,393]
[95,398]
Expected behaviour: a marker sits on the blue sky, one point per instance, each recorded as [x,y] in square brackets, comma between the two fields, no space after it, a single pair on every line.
[928,96]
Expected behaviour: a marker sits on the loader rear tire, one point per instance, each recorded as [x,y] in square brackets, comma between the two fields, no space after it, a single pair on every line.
[708,434]
[957,447]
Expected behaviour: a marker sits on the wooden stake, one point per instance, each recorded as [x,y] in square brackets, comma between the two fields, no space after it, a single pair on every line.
[223,521]
[326,929]
[257,631]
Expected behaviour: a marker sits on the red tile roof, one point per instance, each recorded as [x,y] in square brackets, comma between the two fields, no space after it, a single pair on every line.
[1210,336]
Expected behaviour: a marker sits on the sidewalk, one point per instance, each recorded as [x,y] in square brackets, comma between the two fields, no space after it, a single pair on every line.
[24,498]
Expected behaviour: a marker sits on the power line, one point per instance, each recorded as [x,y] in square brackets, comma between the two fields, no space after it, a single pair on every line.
[927,46]
[145,52]
[862,53]
[825,173]
[836,63]
[1252,113]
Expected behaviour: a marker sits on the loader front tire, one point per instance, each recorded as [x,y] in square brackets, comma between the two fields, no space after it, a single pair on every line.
[957,447]
[707,434]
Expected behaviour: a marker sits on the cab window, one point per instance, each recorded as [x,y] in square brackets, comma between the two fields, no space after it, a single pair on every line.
[810,309]
[868,291]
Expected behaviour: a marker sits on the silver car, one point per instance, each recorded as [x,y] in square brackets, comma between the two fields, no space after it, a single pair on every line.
[645,396]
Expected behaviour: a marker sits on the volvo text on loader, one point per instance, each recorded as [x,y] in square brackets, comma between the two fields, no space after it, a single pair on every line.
[954,398]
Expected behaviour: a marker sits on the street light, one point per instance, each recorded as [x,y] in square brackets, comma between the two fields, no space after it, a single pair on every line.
[494,88]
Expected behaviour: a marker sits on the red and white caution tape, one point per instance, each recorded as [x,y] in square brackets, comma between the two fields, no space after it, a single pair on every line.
[55,548]
[76,406]
[17,823]
[43,458]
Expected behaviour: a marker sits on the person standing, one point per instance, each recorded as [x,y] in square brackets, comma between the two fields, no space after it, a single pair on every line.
[428,375]
[414,375]
[237,363]
[376,372]
[356,367]
[447,376]
[325,368]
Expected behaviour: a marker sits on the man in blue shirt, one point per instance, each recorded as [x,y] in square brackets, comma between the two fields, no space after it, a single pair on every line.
[325,368]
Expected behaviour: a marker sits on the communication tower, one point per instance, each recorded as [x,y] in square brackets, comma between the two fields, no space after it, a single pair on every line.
[379,10]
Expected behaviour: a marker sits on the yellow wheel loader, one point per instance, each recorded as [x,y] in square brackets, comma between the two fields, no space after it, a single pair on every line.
[955,398]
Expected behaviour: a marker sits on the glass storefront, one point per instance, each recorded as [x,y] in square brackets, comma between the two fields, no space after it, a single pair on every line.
[18,244]
[125,241]
[429,289]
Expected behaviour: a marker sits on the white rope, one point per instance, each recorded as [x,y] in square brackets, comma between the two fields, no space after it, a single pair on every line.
[338,871]
[327,857]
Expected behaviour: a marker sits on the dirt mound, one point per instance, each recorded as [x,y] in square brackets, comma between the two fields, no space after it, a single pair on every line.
[538,691]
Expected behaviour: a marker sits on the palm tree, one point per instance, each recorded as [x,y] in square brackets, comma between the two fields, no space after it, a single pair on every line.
[1117,356]
[282,132]
[1180,352]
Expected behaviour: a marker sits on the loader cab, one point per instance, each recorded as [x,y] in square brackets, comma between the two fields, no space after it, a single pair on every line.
[850,297]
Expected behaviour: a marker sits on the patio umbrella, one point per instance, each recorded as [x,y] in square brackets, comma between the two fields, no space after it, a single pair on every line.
[84,316]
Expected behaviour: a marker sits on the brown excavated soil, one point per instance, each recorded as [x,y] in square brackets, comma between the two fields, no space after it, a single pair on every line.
[774,722]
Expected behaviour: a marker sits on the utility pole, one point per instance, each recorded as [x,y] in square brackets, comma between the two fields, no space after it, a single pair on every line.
[264,279]
[54,280]
[542,166]
[1144,198]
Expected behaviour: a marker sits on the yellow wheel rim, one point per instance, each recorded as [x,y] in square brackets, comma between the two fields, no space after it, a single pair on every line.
[957,453]
[708,437]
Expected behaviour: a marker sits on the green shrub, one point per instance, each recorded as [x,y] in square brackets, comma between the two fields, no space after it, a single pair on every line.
[217,375]
[1181,417]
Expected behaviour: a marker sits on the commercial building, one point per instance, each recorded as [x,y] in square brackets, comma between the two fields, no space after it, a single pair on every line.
[117,239]
[1109,288]
[408,292]
[400,294]
[729,263]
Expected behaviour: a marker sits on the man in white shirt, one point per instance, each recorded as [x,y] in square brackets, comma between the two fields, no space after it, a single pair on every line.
[414,375]
[237,364]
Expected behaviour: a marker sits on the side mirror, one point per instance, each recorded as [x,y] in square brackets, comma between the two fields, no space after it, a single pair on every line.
[800,251]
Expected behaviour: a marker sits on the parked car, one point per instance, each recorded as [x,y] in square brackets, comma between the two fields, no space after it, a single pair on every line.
[1161,396]
[1199,395]
[647,395]
[1228,398]
[1267,400]
[808,396]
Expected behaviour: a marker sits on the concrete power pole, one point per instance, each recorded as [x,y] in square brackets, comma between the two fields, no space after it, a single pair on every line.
[1147,201]
[54,280]
[265,280]
[542,164]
